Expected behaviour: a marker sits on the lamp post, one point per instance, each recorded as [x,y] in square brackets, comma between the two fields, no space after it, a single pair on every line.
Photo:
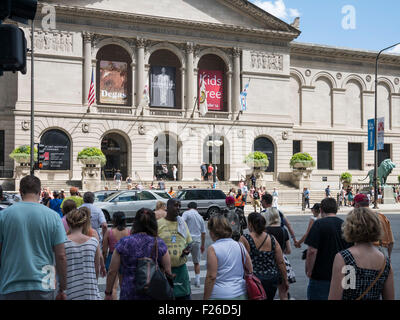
[214,143]
[376,127]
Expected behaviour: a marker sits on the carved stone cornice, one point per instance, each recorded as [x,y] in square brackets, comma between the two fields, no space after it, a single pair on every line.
[189,47]
[236,52]
[87,36]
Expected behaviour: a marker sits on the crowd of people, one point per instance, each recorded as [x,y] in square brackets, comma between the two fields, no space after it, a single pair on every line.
[62,245]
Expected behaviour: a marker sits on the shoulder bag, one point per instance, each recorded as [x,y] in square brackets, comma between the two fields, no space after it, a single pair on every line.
[255,289]
[150,280]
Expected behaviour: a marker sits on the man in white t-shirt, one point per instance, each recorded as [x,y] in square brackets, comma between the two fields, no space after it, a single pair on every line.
[197,230]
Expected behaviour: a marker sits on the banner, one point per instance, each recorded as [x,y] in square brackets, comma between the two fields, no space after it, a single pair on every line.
[371,134]
[381,134]
[57,150]
[113,82]
[163,86]
[214,84]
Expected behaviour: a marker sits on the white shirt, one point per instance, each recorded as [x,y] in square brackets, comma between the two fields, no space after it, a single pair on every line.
[195,223]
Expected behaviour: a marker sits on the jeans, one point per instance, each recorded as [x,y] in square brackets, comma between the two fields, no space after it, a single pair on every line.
[318,289]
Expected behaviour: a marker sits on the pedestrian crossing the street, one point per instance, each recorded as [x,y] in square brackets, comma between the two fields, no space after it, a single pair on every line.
[195,291]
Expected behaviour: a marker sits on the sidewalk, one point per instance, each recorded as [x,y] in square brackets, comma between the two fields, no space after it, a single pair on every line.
[296,210]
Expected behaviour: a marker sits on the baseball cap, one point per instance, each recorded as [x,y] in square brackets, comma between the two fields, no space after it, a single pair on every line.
[361,197]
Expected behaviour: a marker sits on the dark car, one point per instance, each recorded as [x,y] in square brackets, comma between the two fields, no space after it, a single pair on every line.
[209,201]
[9,199]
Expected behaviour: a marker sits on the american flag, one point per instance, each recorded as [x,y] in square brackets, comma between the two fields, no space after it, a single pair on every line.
[92,96]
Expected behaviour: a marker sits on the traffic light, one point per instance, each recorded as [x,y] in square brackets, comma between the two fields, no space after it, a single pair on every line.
[41,156]
[13,46]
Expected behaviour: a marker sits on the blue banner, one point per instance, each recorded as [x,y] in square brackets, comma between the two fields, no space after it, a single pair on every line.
[371,134]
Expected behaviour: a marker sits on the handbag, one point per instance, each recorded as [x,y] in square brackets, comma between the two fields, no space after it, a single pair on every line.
[255,289]
[150,280]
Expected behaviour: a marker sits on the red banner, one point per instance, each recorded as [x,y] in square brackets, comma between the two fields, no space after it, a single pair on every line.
[214,82]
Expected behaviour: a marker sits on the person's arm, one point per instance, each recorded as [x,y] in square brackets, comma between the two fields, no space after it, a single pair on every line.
[298,244]
[288,249]
[248,263]
[97,259]
[166,263]
[390,248]
[388,287]
[289,226]
[203,241]
[104,228]
[105,246]
[244,241]
[61,269]
[0,252]
[310,260]
[112,274]
[281,266]
[336,289]
[211,276]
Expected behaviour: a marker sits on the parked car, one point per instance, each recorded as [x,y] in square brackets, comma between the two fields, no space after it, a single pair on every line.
[100,196]
[131,201]
[209,201]
[9,199]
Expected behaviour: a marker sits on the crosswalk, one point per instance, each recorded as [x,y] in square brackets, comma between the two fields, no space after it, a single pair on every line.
[190,266]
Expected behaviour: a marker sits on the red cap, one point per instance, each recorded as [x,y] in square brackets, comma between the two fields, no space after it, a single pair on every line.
[361,197]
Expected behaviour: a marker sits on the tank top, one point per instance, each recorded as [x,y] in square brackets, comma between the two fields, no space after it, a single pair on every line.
[364,278]
[229,283]
[112,241]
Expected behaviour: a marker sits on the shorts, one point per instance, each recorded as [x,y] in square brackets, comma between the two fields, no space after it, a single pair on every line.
[29,295]
[196,252]
[256,203]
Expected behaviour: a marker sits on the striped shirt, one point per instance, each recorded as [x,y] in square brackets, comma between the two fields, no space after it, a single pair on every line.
[81,272]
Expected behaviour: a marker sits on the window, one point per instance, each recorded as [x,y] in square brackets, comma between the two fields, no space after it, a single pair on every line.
[2,148]
[145,195]
[165,195]
[126,197]
[296,146]
[324,155]
[217,195]
[384,154]
[355,156]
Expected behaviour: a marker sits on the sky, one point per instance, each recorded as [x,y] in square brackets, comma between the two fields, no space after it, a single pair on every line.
[357,24]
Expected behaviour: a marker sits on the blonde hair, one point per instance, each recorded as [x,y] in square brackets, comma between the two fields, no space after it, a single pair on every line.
[76,218]
[88,225]
[362,225]
[160,205]
[272,216]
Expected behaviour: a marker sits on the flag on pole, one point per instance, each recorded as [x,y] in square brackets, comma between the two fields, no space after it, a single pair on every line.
[243,97]
[92,95]
[203,99]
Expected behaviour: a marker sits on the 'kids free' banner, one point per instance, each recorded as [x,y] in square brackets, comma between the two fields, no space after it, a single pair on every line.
[214,82]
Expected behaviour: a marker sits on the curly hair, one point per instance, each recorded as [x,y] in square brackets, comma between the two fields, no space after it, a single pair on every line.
[362,225]
[76,218]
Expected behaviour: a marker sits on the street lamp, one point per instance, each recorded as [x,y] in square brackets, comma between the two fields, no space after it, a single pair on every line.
[214,143]
[376,127]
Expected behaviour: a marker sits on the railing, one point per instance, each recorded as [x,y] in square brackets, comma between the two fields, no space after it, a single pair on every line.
[6,173]
[217,115]
[114,110]
[166,112]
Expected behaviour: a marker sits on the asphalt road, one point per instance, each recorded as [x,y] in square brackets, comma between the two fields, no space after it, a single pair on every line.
[298,290]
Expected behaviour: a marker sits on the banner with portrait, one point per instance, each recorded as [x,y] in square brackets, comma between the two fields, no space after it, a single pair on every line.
[163,86]
[113,82]
[214,83]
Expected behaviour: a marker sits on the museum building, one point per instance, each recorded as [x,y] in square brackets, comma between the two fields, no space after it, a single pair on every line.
[148,62]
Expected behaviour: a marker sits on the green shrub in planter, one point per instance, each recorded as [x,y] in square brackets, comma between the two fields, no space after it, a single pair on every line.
[92,155]
[257,159]
[303,159]
[22,154]
[346,177]
[398,178]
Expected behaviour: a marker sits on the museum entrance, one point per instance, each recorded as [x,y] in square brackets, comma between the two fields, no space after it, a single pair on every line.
[115,149]
[166,157]
[218,155]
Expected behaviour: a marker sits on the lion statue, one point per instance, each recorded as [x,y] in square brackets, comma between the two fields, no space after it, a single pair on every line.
[384,170]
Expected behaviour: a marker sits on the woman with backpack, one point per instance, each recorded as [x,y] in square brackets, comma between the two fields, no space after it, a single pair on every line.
[266,255]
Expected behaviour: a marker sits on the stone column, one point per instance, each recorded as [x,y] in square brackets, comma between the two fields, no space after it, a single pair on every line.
[183,88]
[229,92]
[133,66]
[189,77]
[87,65]
[140,69]
[236,80]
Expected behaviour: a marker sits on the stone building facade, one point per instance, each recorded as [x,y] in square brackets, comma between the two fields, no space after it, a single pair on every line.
[301,97]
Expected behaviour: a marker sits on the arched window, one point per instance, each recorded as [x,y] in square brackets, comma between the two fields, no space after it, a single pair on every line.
[165,80]
[114,76]
[266,146]
[57,150]
[214,72]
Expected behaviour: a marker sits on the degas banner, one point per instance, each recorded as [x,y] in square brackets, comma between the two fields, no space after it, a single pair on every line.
[113,82]
[214,82]
[163,86]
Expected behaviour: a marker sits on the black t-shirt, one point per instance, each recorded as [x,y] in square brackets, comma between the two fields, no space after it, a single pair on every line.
[256,195]
[281,235]
[326,236]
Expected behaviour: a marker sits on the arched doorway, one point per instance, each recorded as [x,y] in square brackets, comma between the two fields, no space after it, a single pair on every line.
[115,149]
[266,146]
[166,156]
[217,155]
